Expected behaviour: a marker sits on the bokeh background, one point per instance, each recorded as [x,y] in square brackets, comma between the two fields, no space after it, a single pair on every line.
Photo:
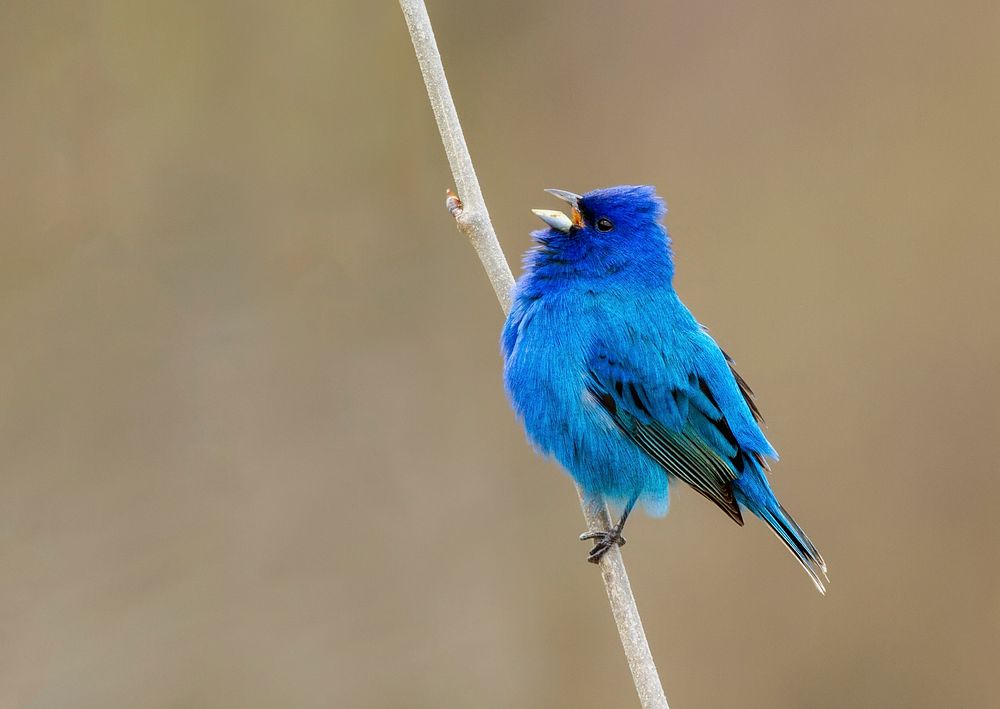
[254,449]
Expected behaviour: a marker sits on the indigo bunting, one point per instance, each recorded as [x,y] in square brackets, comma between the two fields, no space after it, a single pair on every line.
[613,377]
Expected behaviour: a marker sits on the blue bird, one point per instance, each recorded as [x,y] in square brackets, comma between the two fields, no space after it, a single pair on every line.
[613,377]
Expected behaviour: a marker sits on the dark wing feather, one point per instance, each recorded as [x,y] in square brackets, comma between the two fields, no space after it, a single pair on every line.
[745,389]
[682,453]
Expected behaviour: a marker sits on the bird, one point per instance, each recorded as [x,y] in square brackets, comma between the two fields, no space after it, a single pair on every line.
[613,377]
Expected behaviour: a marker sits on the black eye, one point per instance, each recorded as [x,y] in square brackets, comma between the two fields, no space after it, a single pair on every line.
[604,224]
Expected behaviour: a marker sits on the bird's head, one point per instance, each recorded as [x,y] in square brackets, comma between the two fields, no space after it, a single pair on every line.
[609,225]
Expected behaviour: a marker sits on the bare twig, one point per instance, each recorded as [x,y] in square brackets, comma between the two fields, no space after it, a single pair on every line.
[469,210]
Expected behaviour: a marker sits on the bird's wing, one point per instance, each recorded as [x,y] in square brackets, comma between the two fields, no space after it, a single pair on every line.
[745,389]
[669,412]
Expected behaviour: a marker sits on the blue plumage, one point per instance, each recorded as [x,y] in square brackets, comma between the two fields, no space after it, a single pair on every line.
[614,378]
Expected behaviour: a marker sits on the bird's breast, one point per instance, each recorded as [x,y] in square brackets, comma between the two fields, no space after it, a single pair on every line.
[544,370]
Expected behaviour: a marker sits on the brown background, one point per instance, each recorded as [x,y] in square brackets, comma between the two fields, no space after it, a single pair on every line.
[254,450]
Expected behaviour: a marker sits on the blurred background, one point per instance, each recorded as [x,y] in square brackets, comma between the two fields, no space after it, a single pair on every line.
[255,448]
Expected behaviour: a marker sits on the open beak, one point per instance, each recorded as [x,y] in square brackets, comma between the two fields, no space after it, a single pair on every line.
[558,220]
[567,197]
[555,219]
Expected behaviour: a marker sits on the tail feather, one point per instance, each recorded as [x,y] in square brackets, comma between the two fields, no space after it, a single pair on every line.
[761,501]
[805,552]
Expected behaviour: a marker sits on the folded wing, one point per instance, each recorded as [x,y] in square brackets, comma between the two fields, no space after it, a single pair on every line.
[674,419]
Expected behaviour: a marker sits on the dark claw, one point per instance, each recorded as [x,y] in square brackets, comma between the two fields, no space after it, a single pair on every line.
[605,540]
[600,535]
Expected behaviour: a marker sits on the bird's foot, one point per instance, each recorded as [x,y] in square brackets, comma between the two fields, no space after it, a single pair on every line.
[605,540]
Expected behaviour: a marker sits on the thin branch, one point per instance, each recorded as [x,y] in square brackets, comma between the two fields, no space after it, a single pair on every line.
[474,221]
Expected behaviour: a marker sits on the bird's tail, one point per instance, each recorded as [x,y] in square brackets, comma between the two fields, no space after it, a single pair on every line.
[753,492]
